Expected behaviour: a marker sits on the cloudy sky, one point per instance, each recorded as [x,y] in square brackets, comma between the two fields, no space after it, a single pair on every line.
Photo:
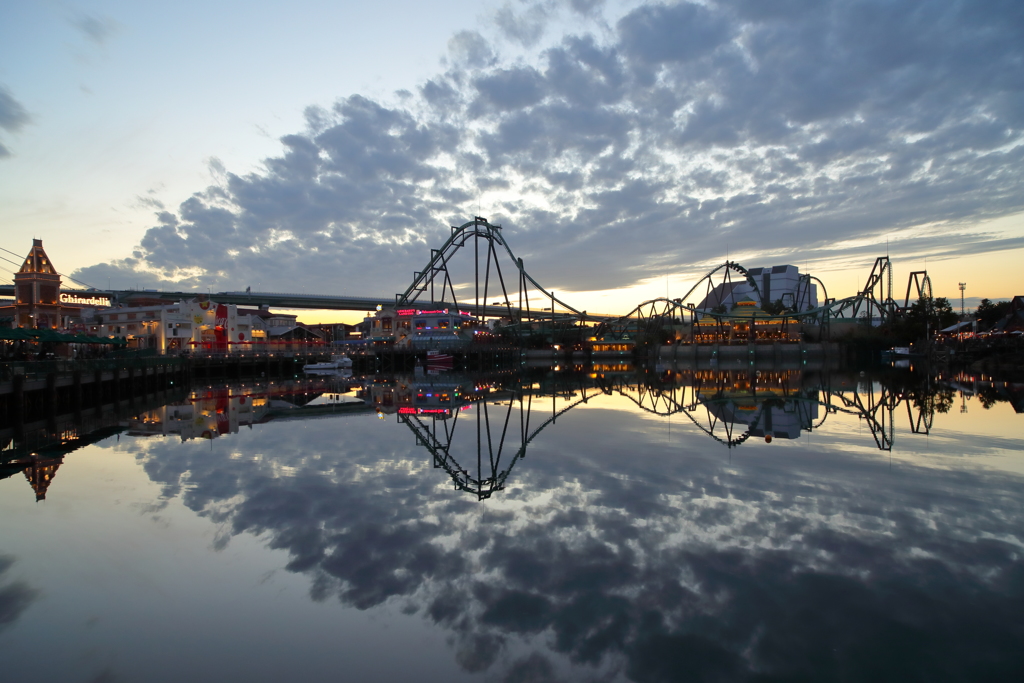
[625,147]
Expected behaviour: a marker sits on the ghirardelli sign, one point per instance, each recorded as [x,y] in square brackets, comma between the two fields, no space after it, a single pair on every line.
[84,300]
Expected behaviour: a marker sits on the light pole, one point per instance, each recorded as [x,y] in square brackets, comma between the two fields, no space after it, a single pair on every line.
[963,286]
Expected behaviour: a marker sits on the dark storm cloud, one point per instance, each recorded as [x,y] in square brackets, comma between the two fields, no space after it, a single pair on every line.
[681,563]
[695,129]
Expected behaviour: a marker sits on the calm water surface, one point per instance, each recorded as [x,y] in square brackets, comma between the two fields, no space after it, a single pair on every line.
[706,526]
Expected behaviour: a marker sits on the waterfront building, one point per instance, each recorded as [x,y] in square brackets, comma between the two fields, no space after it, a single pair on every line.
[172,328]
[433,327]
[38,302]
[775,283]
[746,322]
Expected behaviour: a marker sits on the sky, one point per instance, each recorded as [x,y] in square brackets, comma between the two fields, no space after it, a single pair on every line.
[625,147]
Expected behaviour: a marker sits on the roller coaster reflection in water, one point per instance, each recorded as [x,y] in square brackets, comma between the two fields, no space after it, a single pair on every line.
[506,413]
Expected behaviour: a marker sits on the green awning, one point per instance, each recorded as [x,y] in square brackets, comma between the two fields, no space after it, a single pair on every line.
[15,333]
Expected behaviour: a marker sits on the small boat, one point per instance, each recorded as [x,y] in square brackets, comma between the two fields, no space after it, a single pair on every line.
[439,360]
[336,362]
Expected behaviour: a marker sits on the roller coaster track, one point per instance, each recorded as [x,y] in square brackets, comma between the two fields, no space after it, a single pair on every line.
[875,406]
[878,412]
[874,298]
[484,486]
[436,277]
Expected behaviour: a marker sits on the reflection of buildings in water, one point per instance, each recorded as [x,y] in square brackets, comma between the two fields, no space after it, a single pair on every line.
[39,470]
[431,395]
[771,404]
[207,414]
[214,411]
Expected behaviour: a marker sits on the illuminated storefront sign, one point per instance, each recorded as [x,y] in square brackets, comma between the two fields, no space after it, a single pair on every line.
[404,312]
[84,300]
[423,411]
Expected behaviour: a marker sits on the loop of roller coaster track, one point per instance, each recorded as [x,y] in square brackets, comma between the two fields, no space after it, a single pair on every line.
[462,233]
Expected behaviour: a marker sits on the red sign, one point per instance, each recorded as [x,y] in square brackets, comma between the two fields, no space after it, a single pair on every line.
[219,326]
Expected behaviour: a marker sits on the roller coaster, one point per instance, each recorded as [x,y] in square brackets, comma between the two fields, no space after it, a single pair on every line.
[874,302]
[519,302]
[730,407]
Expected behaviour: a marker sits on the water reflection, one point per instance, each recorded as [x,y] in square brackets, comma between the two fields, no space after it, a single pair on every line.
[15,595]
[729,406]
[613,552]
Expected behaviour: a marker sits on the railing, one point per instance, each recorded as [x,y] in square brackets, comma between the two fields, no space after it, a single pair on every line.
[39,369]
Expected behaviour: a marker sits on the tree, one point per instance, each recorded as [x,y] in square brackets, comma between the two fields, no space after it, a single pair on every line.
[925,314]
[942,313]
[991,313]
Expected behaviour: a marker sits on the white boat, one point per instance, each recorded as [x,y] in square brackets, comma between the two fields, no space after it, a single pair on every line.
[439,360]
[336,362]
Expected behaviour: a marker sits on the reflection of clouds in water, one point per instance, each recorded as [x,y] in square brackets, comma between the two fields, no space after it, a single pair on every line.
[648,559]
[15,597]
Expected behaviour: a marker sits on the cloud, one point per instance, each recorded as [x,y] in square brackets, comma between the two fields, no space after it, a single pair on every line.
[470,49]
[525,28]
[15,597]
[13,117]
[640,145]
[95,27]
[790,567]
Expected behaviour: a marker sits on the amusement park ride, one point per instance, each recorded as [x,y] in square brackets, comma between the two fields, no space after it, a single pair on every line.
[505,413]
[498,276]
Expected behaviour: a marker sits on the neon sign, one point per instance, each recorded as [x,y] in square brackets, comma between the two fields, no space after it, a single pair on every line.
[84,300]
[423,411]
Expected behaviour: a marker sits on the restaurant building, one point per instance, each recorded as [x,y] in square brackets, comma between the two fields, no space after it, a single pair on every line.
[434,327]
[186,325]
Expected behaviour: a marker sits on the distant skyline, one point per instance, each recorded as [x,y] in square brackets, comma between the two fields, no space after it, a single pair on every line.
[626,147]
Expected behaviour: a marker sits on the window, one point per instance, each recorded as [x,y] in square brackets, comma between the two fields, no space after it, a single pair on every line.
[443,324]
[421,324]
